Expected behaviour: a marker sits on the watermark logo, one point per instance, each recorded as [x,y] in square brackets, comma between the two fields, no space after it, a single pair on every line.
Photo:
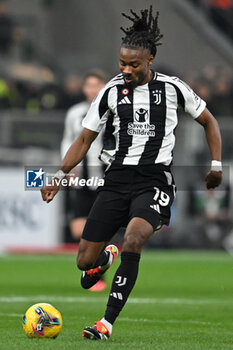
[35,178]
[38,177]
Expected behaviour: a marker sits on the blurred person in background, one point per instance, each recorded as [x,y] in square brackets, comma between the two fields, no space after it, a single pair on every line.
[72,92]
[81,200]
[214,85]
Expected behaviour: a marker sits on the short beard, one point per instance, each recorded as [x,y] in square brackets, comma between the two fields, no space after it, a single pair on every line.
[132,84]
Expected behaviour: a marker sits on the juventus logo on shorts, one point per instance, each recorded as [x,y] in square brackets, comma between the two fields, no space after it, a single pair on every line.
[157,95]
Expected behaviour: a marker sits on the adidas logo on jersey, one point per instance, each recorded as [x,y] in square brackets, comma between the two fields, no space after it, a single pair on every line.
[125,100]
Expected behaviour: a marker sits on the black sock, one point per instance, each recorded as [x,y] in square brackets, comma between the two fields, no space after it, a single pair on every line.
[102,259]
[122,285]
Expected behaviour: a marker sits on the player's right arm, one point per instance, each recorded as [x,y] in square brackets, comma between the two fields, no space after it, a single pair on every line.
[93,123]
[78,150]
[74,156]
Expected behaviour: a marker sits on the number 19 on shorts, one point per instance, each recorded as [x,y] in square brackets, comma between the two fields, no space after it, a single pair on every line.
[161,198]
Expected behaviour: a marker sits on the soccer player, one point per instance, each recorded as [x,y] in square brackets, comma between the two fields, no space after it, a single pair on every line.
[84,198]
[139,108]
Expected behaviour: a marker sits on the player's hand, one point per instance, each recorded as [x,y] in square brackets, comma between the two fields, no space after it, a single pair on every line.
[49,192]
[213,179]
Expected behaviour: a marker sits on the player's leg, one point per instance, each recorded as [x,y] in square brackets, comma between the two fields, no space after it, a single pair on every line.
[89,254]
[106,216]
[99,257]
[83,201]
[137,233]
[148,211]
[92,258]
[92,275]
[76,228]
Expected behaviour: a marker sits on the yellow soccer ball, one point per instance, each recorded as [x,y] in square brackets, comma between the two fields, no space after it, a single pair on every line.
[42,321]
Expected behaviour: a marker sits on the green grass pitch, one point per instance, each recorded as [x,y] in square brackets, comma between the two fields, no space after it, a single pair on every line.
[182,300]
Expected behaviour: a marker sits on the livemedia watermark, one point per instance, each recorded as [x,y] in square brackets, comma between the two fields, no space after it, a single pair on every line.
[186,178]
[38,177]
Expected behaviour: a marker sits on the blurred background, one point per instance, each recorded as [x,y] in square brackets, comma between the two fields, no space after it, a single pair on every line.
[46,48]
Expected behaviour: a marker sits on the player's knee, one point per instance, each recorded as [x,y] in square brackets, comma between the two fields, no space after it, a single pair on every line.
[84,263]
[133,242]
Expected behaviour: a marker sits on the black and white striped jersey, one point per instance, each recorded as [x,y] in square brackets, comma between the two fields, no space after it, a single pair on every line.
[140,122]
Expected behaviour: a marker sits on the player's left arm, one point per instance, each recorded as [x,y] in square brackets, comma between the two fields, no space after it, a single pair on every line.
[213,136]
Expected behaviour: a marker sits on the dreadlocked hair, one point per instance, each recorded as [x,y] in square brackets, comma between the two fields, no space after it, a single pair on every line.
[144,31]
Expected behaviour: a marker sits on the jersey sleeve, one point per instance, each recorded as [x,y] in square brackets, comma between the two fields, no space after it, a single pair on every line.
[188,99]
[98,112]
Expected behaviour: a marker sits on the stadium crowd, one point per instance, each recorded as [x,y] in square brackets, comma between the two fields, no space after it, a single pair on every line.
[28,82]
[34,96]
[215,85]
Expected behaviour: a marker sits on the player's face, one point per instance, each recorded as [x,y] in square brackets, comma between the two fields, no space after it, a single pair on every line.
[135,65]
[91,87]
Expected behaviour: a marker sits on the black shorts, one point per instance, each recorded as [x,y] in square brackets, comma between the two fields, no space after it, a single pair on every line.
[130,191]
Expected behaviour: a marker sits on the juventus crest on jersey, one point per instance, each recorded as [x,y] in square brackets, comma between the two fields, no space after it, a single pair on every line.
[140,121]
